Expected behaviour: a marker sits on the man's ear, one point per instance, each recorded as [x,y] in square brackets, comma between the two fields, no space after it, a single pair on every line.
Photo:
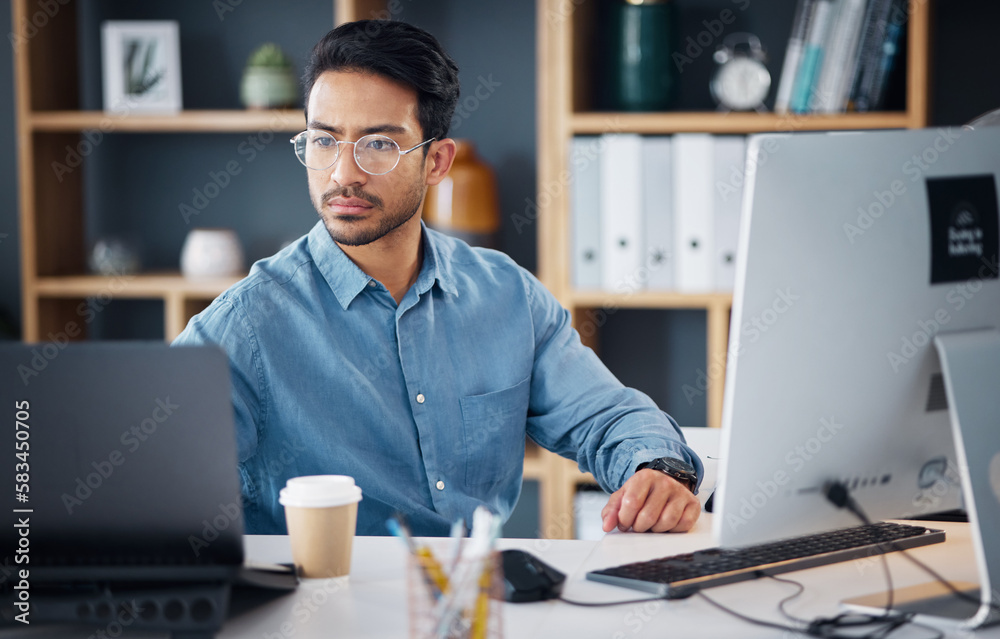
[439,159]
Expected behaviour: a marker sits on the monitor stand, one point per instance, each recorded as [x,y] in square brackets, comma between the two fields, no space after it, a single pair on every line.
[970,363]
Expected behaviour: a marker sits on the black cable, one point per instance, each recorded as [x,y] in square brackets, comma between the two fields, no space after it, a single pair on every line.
[947,584]
[839,495]
[599,604]
[781,604]
[750,620]
[828,627]
[820,627]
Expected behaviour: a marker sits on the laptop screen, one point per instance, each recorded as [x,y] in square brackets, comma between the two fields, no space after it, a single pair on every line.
[122,460]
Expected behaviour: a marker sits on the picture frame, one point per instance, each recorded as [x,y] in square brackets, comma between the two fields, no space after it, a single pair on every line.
[142,66]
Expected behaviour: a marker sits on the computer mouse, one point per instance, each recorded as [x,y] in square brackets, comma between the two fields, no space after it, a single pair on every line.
[528,578]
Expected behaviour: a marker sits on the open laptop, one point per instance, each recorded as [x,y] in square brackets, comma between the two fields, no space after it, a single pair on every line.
[121,460]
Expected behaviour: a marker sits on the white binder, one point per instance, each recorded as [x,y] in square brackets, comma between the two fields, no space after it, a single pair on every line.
[621,213]
[730,164]
[585,211]
[693,211]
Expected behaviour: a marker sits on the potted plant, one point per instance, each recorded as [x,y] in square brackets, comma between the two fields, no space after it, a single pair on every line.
[268,79]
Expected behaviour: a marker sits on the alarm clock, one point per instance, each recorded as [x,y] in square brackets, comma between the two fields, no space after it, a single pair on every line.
[741,80]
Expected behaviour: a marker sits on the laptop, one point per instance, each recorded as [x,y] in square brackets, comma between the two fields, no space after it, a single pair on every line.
[122,477]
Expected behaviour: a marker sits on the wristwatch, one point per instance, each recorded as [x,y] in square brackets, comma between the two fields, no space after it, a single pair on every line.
[676,468]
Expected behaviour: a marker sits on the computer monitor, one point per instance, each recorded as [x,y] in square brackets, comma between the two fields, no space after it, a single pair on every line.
[856,249]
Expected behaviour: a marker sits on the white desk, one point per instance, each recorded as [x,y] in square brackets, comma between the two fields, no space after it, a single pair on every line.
[372,602]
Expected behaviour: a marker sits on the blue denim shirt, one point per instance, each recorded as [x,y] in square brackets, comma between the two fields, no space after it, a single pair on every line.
[426,404]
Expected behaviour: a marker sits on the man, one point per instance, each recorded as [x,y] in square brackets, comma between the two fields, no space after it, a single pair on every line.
[377,348]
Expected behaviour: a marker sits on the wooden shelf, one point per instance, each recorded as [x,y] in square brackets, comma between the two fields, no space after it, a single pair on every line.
[182,297]
[144,285]
[648,299]
[284,120]
[736,123]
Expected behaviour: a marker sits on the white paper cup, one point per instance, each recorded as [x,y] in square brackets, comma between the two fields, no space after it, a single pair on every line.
[322,513]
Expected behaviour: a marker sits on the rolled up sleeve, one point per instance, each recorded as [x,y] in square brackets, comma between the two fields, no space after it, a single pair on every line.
[579,410]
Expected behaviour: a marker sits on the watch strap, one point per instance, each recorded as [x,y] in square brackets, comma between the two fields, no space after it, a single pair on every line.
[662,464]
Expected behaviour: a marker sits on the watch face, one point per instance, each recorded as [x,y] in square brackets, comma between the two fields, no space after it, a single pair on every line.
[740,84]
[677,465]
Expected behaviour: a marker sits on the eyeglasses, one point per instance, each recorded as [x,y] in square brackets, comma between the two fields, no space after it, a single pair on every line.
[375,154]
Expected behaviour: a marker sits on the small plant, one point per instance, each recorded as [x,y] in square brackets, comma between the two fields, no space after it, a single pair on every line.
[269,55]
[269,80]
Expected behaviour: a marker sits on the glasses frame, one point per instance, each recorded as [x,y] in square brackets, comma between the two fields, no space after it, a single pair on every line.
[355,143]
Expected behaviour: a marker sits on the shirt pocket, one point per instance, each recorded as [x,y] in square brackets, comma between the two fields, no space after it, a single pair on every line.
[494,425]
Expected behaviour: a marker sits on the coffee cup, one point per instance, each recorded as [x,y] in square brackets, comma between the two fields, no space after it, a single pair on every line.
[322,513]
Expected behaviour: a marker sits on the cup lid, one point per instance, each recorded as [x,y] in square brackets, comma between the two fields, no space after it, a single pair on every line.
[319,491]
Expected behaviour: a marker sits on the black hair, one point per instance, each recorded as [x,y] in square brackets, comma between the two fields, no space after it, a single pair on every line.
[400,52]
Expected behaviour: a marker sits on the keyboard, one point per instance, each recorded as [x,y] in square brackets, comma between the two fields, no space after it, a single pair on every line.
[681,576]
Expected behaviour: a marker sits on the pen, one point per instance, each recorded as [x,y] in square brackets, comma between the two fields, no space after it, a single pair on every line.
[431,570]
[482,607]
[457,539]
[462,604]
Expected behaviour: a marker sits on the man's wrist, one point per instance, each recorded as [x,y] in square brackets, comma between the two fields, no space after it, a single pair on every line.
[678,469]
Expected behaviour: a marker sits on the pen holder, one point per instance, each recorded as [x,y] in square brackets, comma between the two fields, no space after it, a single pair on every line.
[470,611]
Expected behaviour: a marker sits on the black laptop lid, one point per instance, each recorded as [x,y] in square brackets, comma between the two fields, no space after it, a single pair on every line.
[125,455]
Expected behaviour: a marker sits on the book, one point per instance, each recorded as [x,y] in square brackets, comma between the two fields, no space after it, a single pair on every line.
[793,54]
[833,88]
[693,211]
[657,208]
[869,54]
[621,213]
[728,179]
[812,56]
[585,211]
[895,26]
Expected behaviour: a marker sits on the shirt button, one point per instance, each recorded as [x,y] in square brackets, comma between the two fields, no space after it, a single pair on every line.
[420,398]
[439,485]
[372,283]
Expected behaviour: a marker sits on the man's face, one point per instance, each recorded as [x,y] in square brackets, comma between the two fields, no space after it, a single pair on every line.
[358,208]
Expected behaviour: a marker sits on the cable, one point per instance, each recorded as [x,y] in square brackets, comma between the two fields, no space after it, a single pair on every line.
[750,620]
[827,627]
[839,495]
[599,604]
[781,604]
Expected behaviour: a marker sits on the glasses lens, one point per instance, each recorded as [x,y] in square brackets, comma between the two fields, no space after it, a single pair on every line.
[376,154]
[316,149]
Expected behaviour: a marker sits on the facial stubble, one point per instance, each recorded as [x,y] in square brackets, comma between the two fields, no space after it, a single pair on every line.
[352,231]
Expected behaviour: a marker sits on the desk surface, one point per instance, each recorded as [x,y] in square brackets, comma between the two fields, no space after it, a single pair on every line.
[372,601]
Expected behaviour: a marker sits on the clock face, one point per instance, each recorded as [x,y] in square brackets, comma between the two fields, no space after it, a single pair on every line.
[741,83]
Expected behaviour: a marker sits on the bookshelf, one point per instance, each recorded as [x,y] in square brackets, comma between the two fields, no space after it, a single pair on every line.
[565,34]
[54,278]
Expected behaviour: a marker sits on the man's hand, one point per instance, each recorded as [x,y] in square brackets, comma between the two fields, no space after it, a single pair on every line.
[651,501]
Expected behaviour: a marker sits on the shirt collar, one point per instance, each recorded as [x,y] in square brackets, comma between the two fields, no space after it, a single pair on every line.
[346,280]
[437,266]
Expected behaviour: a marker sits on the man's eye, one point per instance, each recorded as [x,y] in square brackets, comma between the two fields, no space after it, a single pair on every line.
[324,141]
[379,145]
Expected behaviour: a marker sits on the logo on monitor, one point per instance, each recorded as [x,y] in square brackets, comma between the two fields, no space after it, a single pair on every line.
[965,234]
[964,228]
